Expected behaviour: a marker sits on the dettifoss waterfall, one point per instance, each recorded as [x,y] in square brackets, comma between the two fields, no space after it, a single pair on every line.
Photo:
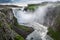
[35,20]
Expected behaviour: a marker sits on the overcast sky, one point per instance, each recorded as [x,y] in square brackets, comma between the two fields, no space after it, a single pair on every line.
[27,1]
[38,1]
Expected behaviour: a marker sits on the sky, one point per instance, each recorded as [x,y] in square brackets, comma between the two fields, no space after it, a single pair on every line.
[27,1]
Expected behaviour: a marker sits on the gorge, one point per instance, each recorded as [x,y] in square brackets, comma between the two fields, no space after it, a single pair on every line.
[30,20]
[35,20]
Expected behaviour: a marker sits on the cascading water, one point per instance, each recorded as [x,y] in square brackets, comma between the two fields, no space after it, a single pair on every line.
[35,20]
[39,33]
[32,19]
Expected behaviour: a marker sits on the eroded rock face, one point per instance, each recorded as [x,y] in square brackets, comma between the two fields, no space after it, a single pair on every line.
[9,26]
[52,18]
[6,21]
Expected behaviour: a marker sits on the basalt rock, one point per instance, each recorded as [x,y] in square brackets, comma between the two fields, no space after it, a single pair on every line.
[8,30]
[52,18]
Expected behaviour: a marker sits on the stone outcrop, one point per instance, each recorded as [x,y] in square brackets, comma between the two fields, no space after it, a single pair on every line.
[8,30]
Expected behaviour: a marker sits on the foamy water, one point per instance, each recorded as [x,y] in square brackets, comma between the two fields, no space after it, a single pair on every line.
[36,16]
[35,19]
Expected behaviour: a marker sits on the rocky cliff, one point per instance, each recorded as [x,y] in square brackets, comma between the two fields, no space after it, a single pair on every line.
[9,28]
[52,20]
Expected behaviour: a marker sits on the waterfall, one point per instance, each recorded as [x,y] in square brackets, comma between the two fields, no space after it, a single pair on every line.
[35,20]
[39,33]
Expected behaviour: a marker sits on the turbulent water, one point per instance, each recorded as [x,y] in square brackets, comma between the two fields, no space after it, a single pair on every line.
[35,20]
[36,16]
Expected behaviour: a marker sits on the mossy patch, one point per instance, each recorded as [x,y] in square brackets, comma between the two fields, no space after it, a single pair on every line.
[19,37]
[54,34]
[24,28]
[32,7]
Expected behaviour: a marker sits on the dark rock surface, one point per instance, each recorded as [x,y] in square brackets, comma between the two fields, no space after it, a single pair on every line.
[52,17]
[7,26]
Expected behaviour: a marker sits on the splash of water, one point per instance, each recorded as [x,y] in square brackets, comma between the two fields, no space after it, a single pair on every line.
[26,17]
[34,20]
[39,33]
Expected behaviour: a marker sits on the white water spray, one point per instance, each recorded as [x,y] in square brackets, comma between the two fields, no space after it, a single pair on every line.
[34,20]
[39,33]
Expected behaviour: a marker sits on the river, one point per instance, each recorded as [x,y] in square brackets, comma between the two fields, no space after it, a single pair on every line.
[35,20]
